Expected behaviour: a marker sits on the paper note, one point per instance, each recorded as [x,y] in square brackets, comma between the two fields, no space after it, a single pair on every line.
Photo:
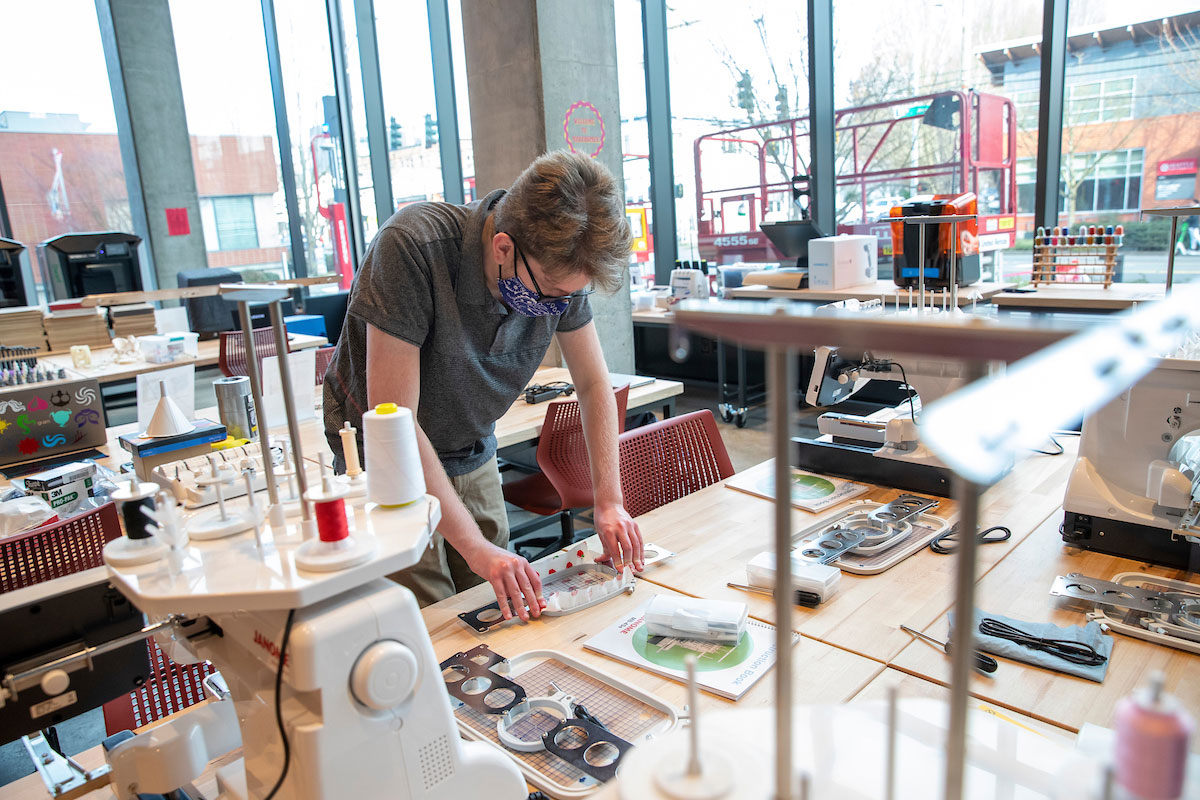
[181,387]
[303,365]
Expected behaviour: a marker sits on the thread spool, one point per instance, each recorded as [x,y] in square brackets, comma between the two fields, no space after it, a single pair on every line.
[135,498]
[139,544]
[349,435]
[334,548]
[394,474]
[1152,742]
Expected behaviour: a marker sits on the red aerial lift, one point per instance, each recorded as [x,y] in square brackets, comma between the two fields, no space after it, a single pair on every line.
[979,143]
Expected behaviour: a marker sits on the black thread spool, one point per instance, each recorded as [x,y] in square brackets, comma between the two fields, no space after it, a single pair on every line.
[135,499]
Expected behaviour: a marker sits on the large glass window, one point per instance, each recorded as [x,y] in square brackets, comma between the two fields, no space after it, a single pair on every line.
[231,120]
[315,126]
[635,136]
[739,97]
[939,100]
[60,161]
[1131,129]
[406,70]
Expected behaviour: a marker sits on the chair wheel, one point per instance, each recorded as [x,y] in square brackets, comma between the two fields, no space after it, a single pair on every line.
[741,418]
[726,413]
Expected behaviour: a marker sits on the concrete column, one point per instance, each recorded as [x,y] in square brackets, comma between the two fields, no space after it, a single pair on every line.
[139,47]
[530,63]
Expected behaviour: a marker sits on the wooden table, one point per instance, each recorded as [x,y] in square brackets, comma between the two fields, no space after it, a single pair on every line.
[821,674]
[657,316]
[717,530]
[106,370]
[1019,587]
[523,422]
[1080,297]
[884,288]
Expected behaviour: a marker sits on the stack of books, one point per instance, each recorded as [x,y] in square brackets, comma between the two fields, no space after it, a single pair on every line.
[135,319]
[22,327]
[69,323]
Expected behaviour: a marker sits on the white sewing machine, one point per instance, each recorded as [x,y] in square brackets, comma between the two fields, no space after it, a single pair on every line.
[1135,489]
[363,703]
[883,447]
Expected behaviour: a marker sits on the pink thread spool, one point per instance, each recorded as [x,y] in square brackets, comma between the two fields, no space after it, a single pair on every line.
[1152,742]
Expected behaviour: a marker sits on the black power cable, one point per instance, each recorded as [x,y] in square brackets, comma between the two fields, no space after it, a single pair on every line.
[1067,650]
[287,747]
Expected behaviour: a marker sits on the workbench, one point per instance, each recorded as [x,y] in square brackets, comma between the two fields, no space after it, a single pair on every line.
[1080,297]
[882,288]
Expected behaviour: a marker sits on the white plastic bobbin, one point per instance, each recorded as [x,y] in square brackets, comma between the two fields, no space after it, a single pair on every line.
[220,523]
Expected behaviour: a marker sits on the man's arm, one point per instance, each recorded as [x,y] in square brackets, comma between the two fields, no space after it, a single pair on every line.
[598,407]
[394,376]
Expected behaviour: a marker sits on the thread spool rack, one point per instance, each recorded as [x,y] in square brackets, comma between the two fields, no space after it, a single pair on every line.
[1073,263]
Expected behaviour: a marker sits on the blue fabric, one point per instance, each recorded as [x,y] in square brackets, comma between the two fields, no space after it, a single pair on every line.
[1089,634]
[525,302]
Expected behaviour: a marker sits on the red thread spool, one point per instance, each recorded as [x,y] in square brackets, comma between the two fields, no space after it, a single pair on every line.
[331,520]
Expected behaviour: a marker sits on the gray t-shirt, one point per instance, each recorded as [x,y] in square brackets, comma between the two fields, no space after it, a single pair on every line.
[422,281]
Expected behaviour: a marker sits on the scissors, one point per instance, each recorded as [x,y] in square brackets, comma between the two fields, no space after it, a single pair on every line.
[946,543]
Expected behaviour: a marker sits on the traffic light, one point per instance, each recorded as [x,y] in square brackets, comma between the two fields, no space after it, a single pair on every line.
[745,93]
[396,134]
[781,104]
[431,132]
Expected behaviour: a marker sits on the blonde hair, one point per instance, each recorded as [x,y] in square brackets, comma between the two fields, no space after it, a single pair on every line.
[567,211]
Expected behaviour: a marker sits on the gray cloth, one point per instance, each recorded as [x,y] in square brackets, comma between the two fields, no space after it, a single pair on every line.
[422,281]
[1089,634]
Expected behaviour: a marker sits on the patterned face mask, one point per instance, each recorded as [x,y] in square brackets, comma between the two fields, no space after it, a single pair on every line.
[526,301]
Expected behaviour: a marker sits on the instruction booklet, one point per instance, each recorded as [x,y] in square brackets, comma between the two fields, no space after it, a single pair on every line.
[724,669]
[809,492]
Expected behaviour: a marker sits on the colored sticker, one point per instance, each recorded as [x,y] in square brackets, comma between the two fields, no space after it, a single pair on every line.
[87,415]
[583,128]
[28,446]
[84,396]
[24,422]
[38,404]
[53,441]
[3,425]
[11,405]
[60,398]
[61,417]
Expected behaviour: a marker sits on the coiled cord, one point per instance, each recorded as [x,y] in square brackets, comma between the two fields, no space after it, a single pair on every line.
[1067,650]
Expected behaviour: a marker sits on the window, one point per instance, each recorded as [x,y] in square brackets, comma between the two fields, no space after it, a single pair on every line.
[1103,181]
[1028,109]
[1100,101]
[911,89]
[233,223]
[739,91]
[231,120]
[60,160]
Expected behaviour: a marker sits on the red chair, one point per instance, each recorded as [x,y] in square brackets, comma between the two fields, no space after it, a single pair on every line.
[670,459]
[171,687]
[231,357]
[565,480]
[324,358]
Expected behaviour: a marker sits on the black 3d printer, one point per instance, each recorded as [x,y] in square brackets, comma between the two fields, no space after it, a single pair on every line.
[79,264]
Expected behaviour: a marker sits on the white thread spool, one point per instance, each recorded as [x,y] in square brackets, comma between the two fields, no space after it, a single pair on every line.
[394,475]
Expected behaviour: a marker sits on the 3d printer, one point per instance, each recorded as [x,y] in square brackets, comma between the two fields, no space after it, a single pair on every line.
[79,264]
[936,259]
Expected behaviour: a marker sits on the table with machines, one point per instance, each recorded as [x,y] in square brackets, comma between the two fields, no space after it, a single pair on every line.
[1079,298]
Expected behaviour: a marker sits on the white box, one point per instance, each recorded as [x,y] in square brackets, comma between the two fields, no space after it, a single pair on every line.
[837,262]
[821,579]
[696,618]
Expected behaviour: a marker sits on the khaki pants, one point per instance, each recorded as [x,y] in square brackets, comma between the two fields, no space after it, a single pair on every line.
[442,572]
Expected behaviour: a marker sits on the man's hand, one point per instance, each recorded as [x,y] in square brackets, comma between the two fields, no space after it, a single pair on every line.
[517,585]
[620,534]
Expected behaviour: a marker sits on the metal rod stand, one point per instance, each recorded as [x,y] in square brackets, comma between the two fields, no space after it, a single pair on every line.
[264,439]
[953,288]
[962,639]
[289,404]
[921,267]
[1171,254]
[781,379]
